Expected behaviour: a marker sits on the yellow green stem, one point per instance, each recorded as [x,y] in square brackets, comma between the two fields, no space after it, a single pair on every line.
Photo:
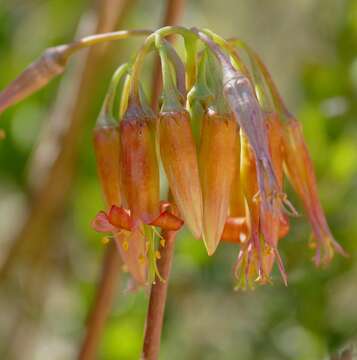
[147,47]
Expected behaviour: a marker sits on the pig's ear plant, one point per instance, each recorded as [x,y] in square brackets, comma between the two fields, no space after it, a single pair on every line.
[225,141]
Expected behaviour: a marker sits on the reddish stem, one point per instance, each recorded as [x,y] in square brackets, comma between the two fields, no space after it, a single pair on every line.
[158,294]
[102,305]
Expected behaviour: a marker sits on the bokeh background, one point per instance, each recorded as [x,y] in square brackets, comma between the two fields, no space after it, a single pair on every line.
[48,284]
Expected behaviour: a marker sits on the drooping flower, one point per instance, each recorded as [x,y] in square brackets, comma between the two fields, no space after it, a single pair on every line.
[300,171]
[139,165]
[217,157]
[179,159]
[107,149]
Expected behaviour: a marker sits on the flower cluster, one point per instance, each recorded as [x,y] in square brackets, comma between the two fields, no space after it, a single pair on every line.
[224,146]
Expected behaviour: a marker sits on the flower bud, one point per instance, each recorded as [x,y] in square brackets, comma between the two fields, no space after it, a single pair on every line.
[139,167]
[217,160]
[179,158]
[107,151]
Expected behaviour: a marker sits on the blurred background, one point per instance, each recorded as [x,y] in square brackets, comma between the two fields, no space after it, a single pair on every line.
[50,257]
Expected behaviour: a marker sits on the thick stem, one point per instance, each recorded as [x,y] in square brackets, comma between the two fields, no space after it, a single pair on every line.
[102,304]
[158,294]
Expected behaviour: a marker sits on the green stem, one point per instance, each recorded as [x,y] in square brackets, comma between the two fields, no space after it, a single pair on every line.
[147,47]
[170,93]
[108,104]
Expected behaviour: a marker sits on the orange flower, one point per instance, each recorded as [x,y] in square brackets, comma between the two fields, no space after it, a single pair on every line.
[217,167]
[179,158]
[107,151]
[301,174]
[139,167]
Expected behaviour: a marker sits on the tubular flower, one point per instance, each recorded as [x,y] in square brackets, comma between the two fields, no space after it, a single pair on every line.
[265,221]
[273,222]
[301,174]
[249,266]
[179,159]
[217,168]
[128,170]
[107,150]
[139,167]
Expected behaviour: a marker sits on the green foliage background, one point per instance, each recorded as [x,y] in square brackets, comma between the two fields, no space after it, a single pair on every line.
[311,48]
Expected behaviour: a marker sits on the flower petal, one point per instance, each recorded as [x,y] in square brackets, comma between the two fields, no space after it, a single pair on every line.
[168,221]
[101,223]
[120,218]
[132,248]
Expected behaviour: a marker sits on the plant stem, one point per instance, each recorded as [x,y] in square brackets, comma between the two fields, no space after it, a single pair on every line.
[158,294]
[104,298]
[172,16]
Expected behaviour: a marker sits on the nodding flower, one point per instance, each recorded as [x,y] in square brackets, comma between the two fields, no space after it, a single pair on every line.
[130,171]
[107,150]
[231,189]
[217,168]
[179,159]
[300,171]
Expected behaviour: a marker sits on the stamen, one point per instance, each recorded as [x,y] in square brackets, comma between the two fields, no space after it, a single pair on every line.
[152,253]
[105,240]
[125,245]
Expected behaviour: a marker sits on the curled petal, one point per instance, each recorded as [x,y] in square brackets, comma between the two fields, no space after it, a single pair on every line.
[139,167]
[168,221]
[217,168]
[120,218]
[179,158]
[301,174]
[101,223]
